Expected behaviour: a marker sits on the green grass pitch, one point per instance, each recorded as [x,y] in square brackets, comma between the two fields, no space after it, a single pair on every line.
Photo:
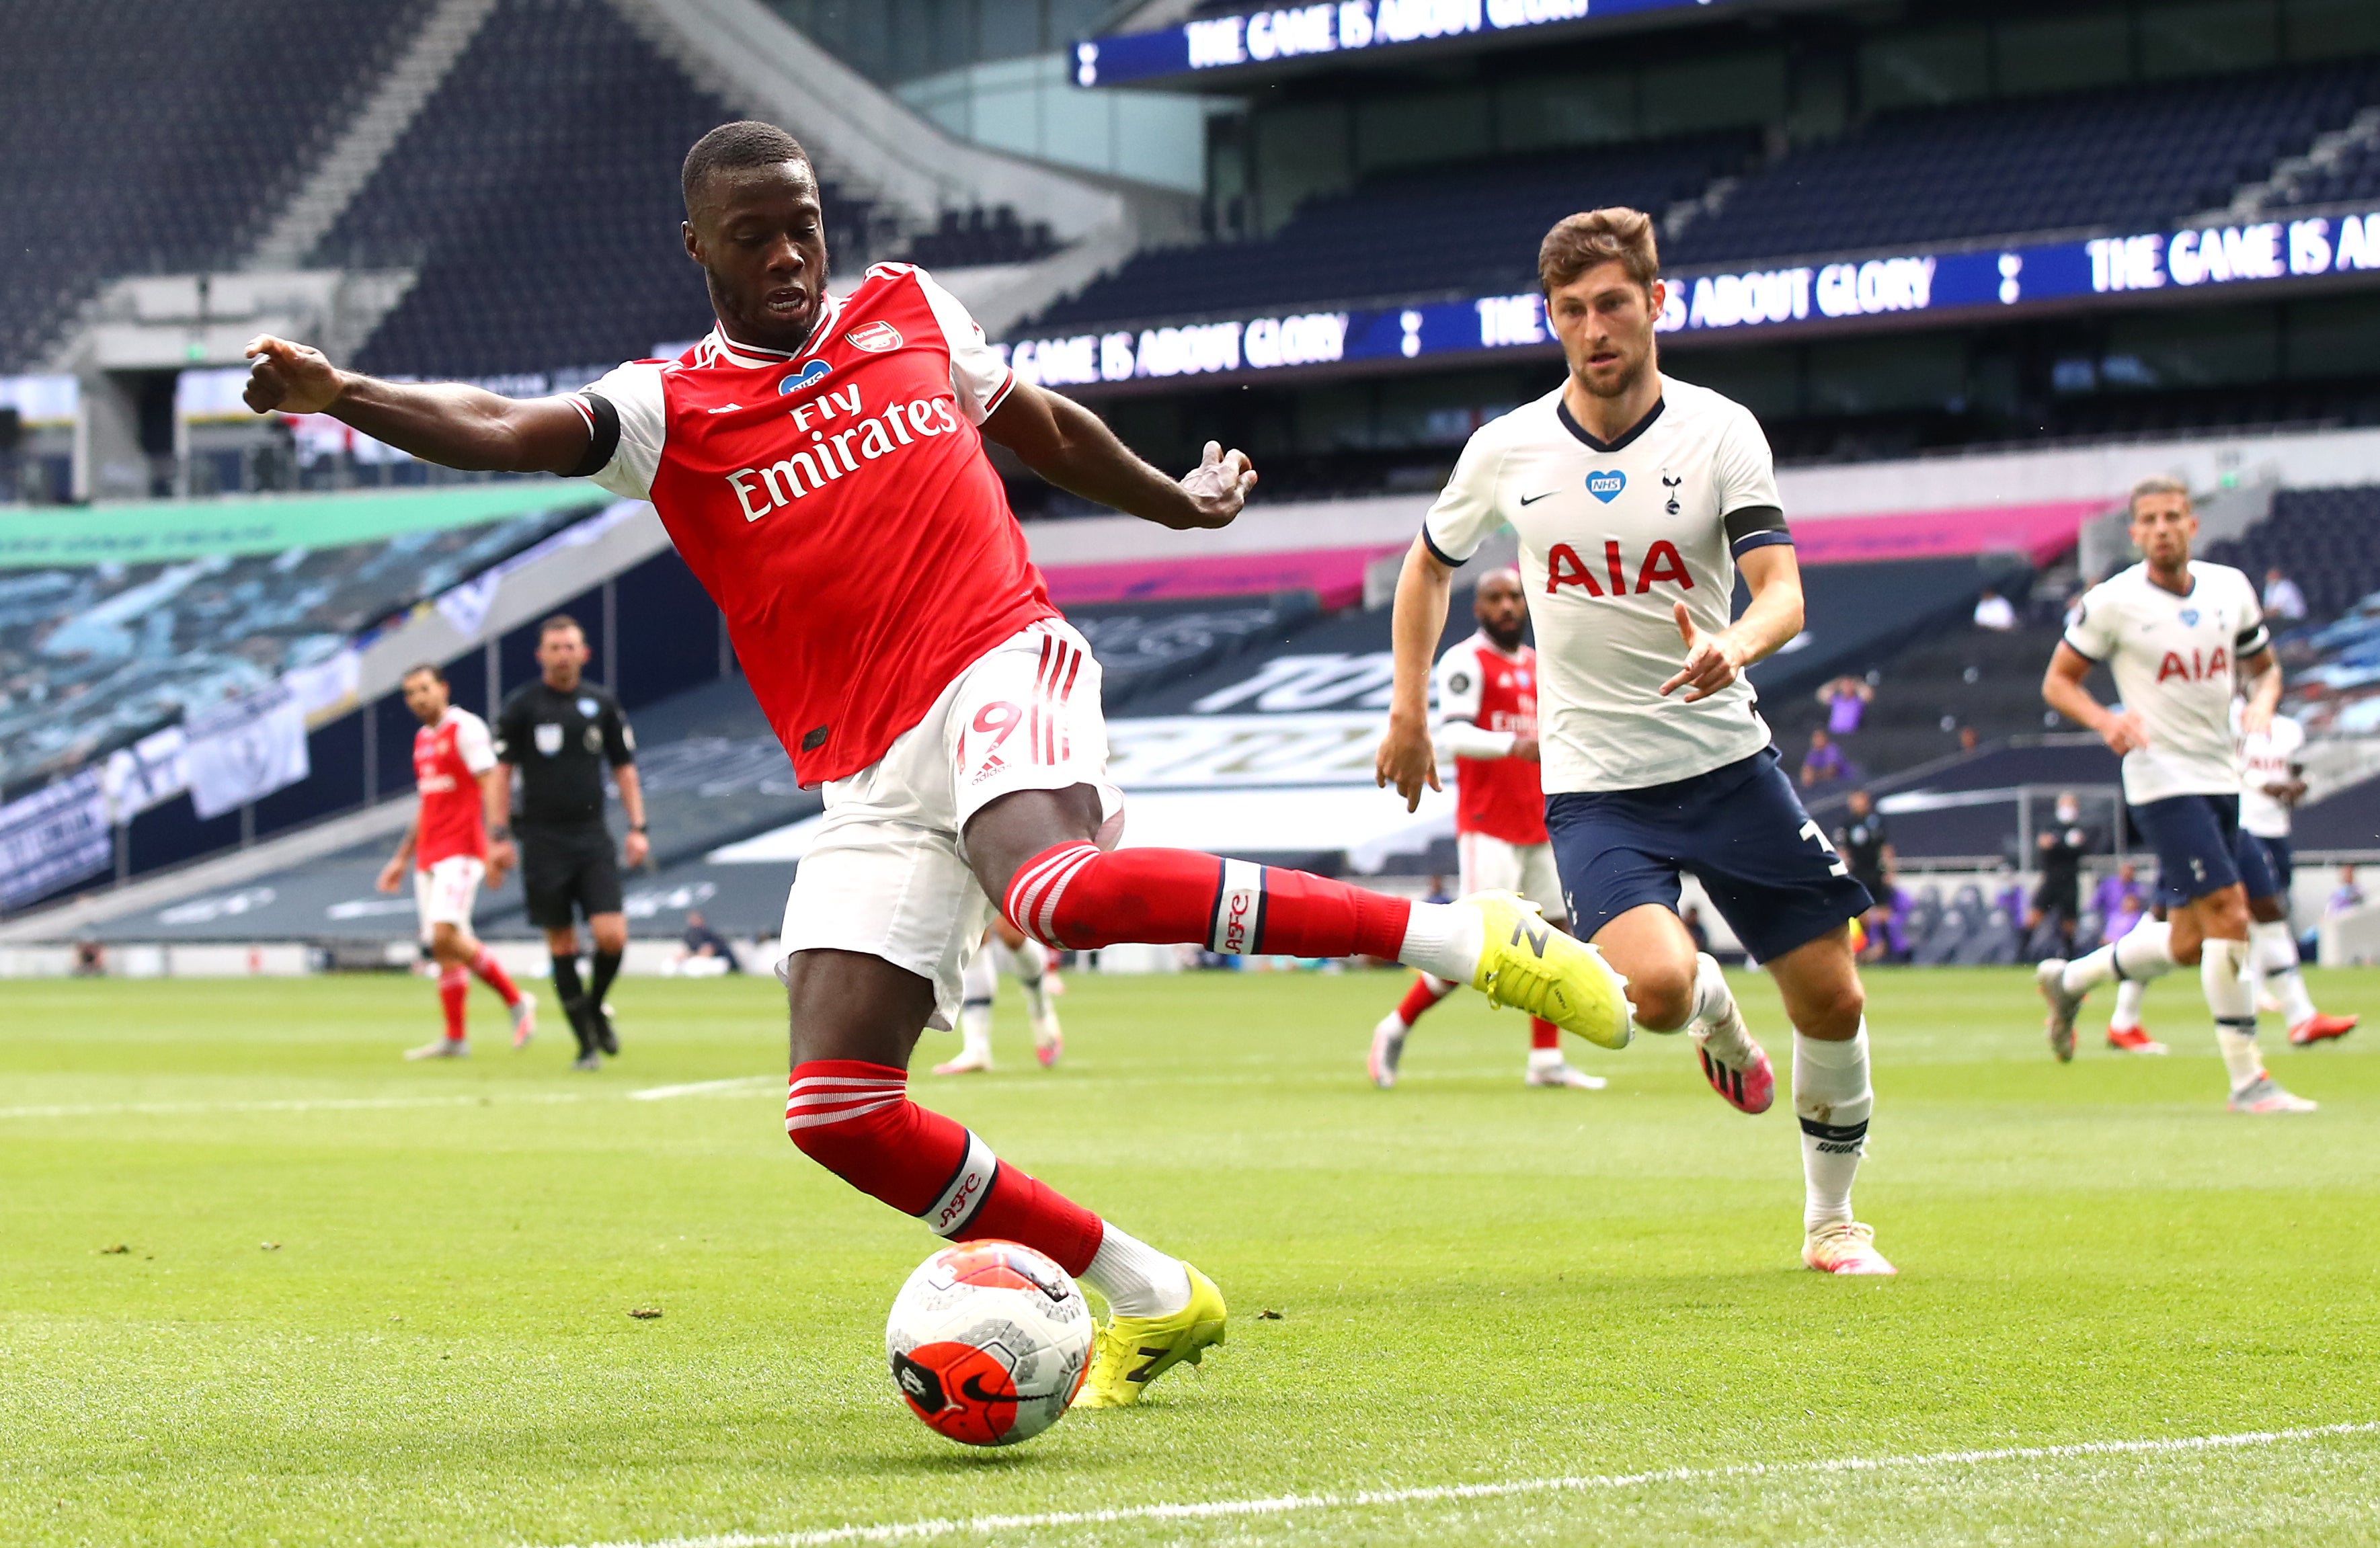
[1478,1284]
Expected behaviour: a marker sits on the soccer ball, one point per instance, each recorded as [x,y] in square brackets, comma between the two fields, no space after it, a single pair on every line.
[988,1341]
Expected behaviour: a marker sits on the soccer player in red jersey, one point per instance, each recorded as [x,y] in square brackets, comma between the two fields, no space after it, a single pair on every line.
[447,845]
[820,463]
[1487,724]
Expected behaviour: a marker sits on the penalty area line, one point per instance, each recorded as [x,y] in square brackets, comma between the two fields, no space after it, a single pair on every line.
[291,1105]
[1283,1505]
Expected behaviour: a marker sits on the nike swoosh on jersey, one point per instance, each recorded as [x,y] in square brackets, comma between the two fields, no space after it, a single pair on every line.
[726,408]
[1532,499]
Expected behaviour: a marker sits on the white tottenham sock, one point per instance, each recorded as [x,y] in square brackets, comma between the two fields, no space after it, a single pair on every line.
[1730,1041]
[1832,1099]
[2273,948]
[977,983]
[2234,1004]
[1138,1279]
[1444,940]
[2126,1017]
[1027,963]
[2145,953]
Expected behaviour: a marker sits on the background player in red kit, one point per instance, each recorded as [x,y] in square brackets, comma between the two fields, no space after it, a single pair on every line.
[447,843]
[1487,724]
[820,463]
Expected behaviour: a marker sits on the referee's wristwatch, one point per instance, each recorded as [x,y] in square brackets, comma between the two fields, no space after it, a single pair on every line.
[636,828]
[502,834]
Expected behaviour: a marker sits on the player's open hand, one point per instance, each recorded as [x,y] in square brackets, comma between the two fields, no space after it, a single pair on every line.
[287,378]
[2255,718]
[392,876]
[1712,660]
[1219,485]
[2124,733]
[1408,760]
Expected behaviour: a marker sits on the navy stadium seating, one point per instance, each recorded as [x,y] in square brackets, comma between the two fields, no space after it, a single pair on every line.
[2325,540]
[233,103]
[2133,157]
[537,193]
[1407,234]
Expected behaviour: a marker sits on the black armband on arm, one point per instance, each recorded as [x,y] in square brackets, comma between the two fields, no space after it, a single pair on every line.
[602,436]
[1755,526]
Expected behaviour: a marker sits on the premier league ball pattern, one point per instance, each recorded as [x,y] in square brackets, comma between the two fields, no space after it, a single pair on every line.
[989,1342]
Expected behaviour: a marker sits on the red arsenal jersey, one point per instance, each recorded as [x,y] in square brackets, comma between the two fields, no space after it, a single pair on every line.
[448,759]
[838,506]
[1500,797]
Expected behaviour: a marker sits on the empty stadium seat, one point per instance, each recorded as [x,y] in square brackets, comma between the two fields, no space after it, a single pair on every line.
[537,195]
[1407,234]
[235,102]
[2131,157]
[2325,540]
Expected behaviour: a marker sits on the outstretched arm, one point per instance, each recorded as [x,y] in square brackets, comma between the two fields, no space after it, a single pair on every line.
[1072,447]
[446,423]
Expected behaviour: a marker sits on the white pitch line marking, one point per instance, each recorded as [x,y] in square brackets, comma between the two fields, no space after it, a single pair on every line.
[293,1105]
[1282,1504]
[705,1088]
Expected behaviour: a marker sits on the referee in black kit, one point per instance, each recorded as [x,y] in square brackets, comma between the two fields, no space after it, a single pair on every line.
[559,731]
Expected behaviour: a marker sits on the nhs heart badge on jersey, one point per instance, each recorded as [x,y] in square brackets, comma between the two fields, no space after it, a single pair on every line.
[586,708]
[2190,618]
[808,376]
[874,337]
[1606,487]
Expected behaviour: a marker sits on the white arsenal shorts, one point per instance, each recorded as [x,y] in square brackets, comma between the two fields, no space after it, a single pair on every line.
[446,893]
[885,873]
[1493,866]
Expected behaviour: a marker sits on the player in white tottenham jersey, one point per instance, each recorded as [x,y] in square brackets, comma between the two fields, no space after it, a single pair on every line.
[1636,497]
[2271,781]
[2175,632]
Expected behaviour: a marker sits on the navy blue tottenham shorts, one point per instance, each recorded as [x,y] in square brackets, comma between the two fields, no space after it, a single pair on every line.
[2284,865]
[1740,830]
[2258,872]
[2194,837]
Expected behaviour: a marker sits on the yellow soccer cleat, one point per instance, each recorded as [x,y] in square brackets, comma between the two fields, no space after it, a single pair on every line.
[1526,963]
[1130,1352]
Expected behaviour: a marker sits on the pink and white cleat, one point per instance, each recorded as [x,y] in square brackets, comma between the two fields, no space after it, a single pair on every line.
[1388,1047]
[2319,1028]
[1845,1248]
[2263,1096]
[524,1014]
[1748,1085]
[968,1062]
[1562,1072]
[1048,1040]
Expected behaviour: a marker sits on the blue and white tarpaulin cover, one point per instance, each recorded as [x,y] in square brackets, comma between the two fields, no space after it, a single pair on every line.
[53,837]
[244,751]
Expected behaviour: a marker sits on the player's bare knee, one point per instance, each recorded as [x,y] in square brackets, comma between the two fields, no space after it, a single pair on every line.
[610,933]
[1835,1015]
[1662,994]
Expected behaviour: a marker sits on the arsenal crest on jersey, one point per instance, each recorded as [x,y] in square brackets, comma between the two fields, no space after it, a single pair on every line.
[874,337]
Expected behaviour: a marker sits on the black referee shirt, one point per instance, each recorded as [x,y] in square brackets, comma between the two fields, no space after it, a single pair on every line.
[560,743]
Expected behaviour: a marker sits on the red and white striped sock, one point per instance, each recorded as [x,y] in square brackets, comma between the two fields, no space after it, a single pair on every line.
[855,1119]
[1079,897]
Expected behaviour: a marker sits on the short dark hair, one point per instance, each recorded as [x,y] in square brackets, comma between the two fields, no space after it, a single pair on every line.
[559,621]
[419,667]
[734,148]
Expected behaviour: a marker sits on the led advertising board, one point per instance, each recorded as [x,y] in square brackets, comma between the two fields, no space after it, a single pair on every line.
[1267,34]
[2277,252]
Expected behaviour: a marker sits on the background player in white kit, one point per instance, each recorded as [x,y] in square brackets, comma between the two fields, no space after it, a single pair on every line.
[1028,961]
[2174,631]
[2271,781]
[1487,724]
[1635,498]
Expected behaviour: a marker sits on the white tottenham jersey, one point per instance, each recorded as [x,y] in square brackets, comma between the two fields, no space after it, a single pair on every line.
[2174,657]
[1611,537]
[2268,759]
